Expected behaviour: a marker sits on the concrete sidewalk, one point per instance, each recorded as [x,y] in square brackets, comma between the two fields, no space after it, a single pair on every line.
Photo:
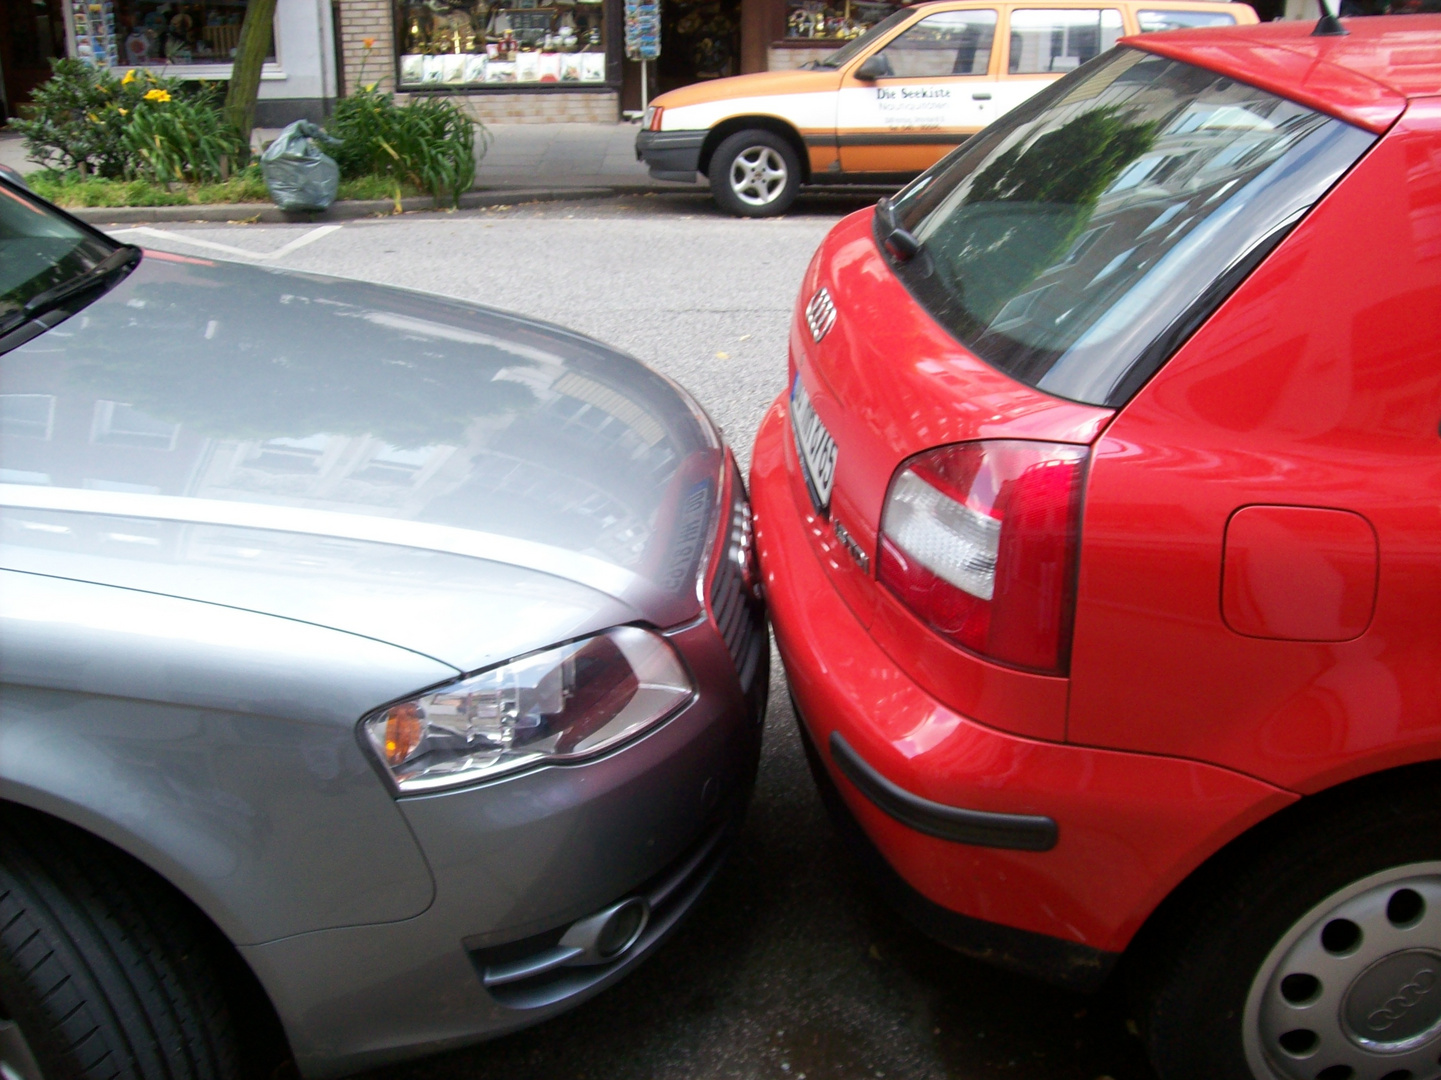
[519,156]
[565,156]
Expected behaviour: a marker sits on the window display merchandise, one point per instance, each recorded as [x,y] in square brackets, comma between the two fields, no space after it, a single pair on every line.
[150,32]
[467,42]
[95,32]
[702,40]
[828,20]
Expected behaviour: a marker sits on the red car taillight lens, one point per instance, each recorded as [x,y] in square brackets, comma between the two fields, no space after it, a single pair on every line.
[980,540]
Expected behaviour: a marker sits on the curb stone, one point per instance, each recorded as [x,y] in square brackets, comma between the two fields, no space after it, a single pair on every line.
[350,208]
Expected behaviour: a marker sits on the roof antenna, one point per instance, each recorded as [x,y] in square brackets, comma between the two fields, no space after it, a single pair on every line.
[1328,25]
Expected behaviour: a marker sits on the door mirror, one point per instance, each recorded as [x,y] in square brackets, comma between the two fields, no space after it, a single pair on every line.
[873,67]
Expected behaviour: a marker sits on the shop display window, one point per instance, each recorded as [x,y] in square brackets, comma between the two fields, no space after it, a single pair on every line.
[460,43]
[156,32]
[700,40]
[833,20]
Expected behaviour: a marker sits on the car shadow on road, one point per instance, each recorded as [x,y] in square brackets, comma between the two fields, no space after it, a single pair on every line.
[792,967]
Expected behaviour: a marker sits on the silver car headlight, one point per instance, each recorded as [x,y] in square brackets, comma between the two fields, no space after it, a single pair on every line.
[557,705]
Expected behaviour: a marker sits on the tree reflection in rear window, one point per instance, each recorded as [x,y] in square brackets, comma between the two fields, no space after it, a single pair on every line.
[1075,243]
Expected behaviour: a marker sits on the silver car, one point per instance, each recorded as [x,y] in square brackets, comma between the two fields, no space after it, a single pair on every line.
[376,666]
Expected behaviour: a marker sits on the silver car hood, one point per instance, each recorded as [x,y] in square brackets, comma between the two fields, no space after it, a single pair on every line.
[434,474]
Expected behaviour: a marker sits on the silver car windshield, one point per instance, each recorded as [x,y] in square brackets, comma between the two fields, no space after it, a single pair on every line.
[40,250]
[1077,242]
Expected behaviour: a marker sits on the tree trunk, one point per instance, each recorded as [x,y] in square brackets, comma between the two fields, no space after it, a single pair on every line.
[249,58]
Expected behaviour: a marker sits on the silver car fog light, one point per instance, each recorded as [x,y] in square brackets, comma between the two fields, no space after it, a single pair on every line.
[558,705]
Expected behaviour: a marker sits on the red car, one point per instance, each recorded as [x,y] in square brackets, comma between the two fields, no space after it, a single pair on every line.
[1101,528]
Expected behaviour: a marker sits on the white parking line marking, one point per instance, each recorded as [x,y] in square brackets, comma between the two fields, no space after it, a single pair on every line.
[279,253]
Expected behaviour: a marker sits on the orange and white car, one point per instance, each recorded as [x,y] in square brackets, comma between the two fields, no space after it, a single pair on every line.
[892,102]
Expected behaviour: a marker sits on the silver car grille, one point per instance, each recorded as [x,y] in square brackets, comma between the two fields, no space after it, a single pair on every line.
[820,314]
[733,600]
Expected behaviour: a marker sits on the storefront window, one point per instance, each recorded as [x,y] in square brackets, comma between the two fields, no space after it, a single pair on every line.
[700,39]
[466,43]
[137,33]
[834,20]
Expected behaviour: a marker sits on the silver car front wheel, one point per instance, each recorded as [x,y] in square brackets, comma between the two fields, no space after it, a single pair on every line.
[16,1060]
[1353,990]
[105,972]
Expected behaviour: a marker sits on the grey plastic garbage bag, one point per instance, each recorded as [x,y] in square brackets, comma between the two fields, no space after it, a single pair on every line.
[298,173]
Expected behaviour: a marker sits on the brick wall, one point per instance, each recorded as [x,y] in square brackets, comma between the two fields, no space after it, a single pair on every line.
[544,108]
[362,20]
[790,57]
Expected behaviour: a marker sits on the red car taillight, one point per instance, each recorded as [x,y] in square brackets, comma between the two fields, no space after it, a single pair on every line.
[980,540]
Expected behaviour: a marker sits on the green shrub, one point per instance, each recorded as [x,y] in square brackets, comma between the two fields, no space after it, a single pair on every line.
[247,186]
[175,137]
[71,190]
[427,142]
[86,121]
[77,120]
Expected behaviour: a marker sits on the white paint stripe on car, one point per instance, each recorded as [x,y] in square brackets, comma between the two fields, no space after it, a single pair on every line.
[812,111]
[576,566]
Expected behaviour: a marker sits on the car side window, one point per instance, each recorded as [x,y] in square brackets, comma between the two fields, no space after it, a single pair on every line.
[1150,21]
[1045,41]
[947,43]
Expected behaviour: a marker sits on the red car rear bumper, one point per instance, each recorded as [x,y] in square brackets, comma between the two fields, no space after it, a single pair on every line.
[1127,828]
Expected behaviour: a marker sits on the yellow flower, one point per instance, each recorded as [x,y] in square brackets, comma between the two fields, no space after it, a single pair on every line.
[93,118]
[123,112]
[157,95]
[129,78]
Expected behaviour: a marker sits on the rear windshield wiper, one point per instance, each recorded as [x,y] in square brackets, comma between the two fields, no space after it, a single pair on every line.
[899,241]
[98,276]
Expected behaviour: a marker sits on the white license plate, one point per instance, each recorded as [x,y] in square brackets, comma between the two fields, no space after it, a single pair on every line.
[817,448]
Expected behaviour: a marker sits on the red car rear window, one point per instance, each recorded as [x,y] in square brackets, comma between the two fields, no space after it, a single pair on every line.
[1078,241]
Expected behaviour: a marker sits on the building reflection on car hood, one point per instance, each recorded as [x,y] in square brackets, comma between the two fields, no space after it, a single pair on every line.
[386,462]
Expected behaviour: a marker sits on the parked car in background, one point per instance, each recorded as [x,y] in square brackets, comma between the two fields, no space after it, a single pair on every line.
[377,664]
[892,102]
[1099,528]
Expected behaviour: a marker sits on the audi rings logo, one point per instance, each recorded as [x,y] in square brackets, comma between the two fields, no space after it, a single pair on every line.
[1402,1001]
[820,314]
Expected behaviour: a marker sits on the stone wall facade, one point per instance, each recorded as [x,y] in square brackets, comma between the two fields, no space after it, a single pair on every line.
[546,107]
[790,57]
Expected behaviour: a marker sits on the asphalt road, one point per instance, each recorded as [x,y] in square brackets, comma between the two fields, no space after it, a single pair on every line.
[790,968]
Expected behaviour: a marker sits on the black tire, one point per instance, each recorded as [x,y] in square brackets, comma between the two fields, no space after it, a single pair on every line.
[755,173]
[103,968]
[1216,977]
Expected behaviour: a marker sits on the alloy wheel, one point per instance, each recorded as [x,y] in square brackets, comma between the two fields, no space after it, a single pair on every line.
[758,175]
[16,1060]
[1353,990]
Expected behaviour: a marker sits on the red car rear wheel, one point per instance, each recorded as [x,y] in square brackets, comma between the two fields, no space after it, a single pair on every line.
[1318,958]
